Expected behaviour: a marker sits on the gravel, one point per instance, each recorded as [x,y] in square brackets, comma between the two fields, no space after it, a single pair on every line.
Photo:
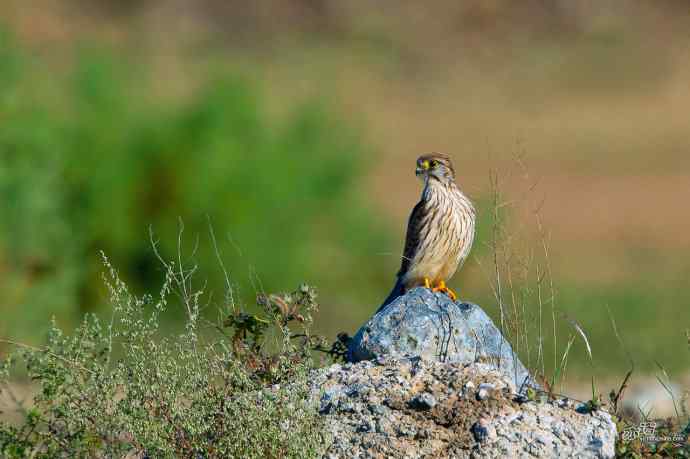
[415,408]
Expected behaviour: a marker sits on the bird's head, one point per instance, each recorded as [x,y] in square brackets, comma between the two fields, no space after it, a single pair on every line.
[435,166]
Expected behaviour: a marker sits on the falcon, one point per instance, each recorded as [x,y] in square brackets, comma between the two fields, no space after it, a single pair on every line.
[440,230]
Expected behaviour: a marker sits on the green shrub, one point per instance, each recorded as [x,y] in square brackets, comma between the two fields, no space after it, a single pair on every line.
[124,388]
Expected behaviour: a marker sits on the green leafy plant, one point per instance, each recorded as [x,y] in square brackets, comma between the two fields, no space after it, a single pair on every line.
[122,387]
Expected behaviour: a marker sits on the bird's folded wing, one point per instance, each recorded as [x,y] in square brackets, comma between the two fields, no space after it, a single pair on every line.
[412,239]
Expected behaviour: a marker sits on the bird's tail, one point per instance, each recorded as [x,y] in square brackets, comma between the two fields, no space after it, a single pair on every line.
[398,290]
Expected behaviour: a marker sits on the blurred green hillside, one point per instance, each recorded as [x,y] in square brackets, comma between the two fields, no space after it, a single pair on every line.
[91,166]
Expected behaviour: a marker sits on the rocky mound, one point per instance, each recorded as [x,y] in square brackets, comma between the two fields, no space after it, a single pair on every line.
[414,408]
[432,378]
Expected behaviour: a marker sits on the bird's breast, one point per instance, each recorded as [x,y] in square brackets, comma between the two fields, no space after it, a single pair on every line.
[446,235]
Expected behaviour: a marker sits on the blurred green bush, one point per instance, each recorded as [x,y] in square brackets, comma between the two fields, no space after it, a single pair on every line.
[89,161]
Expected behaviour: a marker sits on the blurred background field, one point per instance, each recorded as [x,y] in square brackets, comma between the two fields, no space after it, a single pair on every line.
[293,126]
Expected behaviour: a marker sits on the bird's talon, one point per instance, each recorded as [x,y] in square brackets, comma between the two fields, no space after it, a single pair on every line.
[441,287]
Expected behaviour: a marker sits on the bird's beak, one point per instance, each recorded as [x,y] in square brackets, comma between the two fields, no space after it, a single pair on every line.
[422,167]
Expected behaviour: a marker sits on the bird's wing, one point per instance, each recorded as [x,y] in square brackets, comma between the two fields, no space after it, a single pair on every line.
[412,239]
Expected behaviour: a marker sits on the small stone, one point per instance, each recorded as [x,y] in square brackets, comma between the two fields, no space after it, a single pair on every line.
[377,409]
[384,426]
[335,368]
[563,403]
[404,430]
[595,443]
[367,426]
[422,434]
[357,390]
[423,402]
[348,407]
[484,391]
[468,389]
[582,408]
[326,409]
[521,398]
[480,430]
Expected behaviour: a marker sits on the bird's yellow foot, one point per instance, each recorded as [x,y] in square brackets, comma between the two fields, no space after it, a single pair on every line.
[427,283]
[441,287]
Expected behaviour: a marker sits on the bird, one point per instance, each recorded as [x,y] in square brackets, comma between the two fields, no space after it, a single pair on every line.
[440,230]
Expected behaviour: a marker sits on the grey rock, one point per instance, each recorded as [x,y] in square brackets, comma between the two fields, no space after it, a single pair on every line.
[428,377]
[431,326]
[484,391]
[483,430]
[381,422]
[423,401]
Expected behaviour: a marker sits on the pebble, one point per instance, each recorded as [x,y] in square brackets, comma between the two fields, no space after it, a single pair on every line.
[484,391]
[367,426]
[424,401]
[480,430]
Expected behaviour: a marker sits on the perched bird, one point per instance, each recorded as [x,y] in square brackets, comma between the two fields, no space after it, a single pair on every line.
[440,230]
